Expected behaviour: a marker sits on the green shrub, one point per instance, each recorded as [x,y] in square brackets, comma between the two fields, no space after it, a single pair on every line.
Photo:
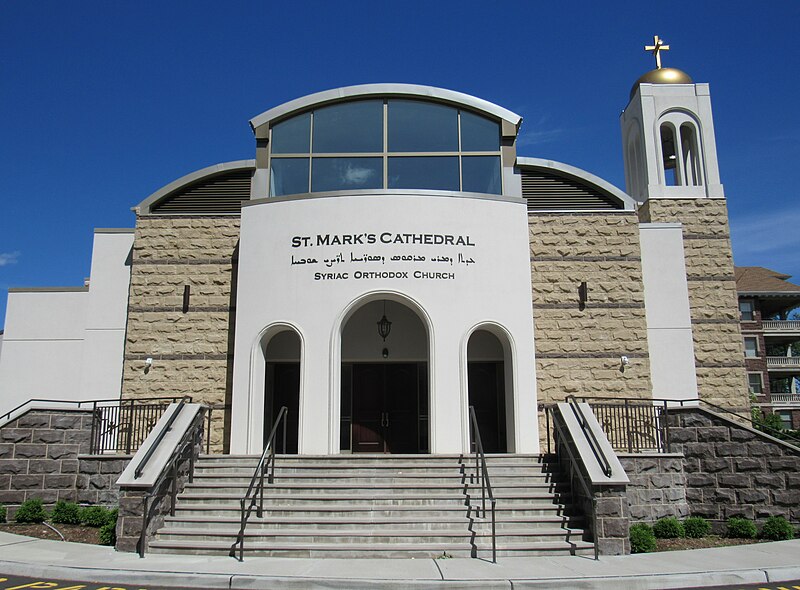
[95,516]
[31,511]
[2,513]
[668,528]
[741,528]
[108,534]
[642,538]
[696,527]
[66,513]
[776,528]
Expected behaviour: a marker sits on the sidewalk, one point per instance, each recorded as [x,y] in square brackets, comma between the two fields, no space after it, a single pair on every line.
[760,563]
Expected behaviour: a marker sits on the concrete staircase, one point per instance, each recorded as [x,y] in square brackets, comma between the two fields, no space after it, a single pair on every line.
[375,506]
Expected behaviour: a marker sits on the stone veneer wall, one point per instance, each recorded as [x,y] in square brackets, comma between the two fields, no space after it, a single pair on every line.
[733,470]
[43,455]
[657,486]
[718,344]
[192,352]
[578,351]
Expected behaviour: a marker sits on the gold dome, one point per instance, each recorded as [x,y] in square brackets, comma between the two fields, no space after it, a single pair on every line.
[662,76]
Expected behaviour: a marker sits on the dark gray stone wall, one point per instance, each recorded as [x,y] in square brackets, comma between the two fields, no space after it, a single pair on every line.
[43,455]
[658,486]
[732,470]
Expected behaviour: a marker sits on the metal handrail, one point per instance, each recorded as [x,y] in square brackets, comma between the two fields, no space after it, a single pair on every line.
[255,493]
[77,403]
[589,435]
[576,469]
[159,437]
[482,473]
[664,402]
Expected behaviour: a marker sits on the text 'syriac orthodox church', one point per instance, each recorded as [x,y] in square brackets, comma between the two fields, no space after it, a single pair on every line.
[388,259]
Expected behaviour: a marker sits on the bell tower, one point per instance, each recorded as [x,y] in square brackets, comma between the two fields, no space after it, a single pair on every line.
[668,140]
[671,169]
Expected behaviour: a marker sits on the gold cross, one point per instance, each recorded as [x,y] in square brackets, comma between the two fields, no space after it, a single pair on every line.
[656,48]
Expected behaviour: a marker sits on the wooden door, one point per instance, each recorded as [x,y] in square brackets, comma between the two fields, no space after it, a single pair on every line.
[385,409]
[401,408]
[368,409]
[283,389]
[486,394]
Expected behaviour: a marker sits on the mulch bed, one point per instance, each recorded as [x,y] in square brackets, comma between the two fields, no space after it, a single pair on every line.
[72,532]
[703,543]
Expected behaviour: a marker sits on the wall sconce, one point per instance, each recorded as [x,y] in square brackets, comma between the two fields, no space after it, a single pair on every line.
[583,295]
[148,364]
[624,361]
[385,353]
[186,293]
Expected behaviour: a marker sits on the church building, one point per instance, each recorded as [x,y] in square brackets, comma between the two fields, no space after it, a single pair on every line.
[387,259]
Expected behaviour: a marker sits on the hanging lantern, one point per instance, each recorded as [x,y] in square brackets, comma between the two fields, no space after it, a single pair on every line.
[384,325]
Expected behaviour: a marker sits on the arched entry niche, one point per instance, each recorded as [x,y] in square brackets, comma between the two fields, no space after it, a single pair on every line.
[282,377]
[384,382]
[490,387]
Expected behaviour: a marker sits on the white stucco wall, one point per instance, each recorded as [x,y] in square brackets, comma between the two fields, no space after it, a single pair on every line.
[67,343]
[314,289]
[104,337]
[43,345]
[669,326]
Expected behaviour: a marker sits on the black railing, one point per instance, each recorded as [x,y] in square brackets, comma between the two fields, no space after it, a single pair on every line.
[633,425]
[482,474]
[121,426]
[137,473]
[118,426]
[591,438]
[255,491]
[637,425]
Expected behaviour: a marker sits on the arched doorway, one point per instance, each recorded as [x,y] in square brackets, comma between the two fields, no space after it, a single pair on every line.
[384,381]
[282,387]
[489,380]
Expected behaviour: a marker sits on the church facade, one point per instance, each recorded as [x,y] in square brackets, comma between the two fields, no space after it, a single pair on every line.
[387,260]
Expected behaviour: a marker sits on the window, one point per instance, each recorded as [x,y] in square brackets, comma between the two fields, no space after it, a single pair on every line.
[385,144]
[682,160]
[751,346]
[746,310]
[786,419]
[755,383]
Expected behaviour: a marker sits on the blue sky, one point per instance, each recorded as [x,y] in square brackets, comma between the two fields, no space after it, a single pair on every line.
[102,103]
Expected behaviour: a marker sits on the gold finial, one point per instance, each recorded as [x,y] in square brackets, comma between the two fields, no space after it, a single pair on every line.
[656,48]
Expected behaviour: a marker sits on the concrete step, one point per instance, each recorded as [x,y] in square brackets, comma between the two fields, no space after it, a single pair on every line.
[349,511]
[376,506]
[394,550]
[359,536]
[359,487]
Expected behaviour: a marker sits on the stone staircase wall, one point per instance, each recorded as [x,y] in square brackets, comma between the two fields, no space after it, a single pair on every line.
[43,454]
[733,470]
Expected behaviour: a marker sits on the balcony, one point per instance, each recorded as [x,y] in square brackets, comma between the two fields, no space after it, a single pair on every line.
[783,363]
[785,399]
[788,327]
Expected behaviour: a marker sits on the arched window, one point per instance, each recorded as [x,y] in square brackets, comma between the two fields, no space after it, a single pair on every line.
[690,157]
[668,156]
[389,143]
[680,150]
